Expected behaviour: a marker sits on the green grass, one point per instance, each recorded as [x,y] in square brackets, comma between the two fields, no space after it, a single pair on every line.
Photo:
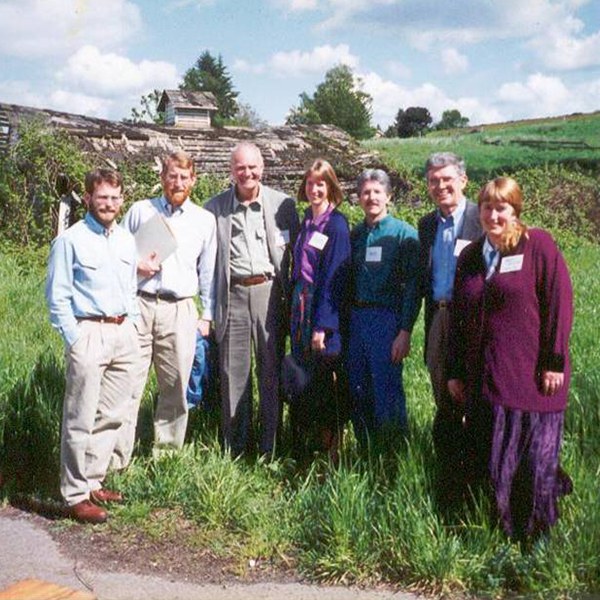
[366,522]
[503,148]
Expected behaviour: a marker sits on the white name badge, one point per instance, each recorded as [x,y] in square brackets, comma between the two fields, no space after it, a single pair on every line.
[511,263]
[460,245]
[373,254]
[283,237]
[318,240]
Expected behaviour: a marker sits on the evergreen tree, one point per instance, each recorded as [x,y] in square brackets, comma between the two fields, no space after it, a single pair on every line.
[209,74]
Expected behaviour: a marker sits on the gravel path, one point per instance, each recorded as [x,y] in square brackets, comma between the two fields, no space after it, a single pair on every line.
[28,551]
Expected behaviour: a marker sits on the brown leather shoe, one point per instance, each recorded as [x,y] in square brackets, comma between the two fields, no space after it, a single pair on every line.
[103,495]
[86,512]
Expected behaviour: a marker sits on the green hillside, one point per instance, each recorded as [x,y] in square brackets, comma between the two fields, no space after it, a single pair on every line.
[503,148]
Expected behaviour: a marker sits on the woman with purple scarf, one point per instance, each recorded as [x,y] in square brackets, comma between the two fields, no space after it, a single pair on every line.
[509,361]
[320,273]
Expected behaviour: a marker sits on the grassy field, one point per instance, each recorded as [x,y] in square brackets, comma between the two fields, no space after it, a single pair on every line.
[366,522]
[491,150]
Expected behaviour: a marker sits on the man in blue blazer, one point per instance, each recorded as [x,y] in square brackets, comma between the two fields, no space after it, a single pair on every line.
[256,230]
[443,234]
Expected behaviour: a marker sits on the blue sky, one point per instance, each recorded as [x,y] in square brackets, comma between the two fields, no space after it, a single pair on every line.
[494,60]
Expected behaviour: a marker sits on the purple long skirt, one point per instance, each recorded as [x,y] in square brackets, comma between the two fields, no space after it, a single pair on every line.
[525,471]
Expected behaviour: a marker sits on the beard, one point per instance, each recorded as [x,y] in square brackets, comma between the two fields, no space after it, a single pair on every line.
[178,198]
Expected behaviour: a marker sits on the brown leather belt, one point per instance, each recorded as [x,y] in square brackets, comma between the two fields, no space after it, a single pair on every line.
[442,304]
[165,296]
[103,319]
[251,280]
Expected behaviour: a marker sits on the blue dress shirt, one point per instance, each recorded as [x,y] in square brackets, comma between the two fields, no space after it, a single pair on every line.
[91,272]
[443,252]
[491,257]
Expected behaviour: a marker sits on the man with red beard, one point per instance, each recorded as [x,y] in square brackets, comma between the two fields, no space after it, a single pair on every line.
[166,291]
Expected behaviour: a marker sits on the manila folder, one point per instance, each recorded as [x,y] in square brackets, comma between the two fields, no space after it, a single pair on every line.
[155,235]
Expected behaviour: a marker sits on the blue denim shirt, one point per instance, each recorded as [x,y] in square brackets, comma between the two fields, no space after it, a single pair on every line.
[91,272]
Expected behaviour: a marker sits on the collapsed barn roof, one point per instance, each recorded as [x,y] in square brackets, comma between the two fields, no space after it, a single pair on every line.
[287,150]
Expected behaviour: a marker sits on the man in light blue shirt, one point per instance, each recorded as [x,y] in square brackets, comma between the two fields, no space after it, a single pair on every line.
[444,251]
[443,233]
[91,296]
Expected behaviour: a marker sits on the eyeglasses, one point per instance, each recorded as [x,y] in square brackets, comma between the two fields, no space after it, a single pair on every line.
[107,198]
[433,182]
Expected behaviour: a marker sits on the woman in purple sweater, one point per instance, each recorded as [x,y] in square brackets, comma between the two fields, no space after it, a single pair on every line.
[509,359]
[320,273]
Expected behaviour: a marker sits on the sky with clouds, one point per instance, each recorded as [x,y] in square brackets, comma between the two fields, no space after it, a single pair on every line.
[494,60]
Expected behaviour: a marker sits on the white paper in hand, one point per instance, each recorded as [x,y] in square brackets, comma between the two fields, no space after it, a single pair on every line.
[155,235]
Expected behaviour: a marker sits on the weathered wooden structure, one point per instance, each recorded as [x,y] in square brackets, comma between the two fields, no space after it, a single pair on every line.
[287,150]
[189,110]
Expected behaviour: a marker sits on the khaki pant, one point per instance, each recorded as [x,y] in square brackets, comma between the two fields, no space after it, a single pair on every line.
[100,379]
[167,338]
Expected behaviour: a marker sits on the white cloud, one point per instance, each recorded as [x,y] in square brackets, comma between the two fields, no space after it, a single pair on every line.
[389,97]
[20,92]
[454,62]
[548,96]
[558,50]
[50,28]
[176,4]
[317,60]
[398,69]
[297,63]
[299,5]
[550,28]
[76,103]
[109,75]
[243,66]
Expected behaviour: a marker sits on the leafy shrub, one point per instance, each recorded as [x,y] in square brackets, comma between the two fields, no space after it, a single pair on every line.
[563,200]
[46,164]
[42,166]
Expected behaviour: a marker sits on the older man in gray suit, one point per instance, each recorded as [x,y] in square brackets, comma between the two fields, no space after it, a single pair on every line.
[443,234]
[257,227]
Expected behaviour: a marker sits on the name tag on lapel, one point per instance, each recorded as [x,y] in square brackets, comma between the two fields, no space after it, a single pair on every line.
[283,237]
[460,245]
[318,240]
[373,254]
[511,263]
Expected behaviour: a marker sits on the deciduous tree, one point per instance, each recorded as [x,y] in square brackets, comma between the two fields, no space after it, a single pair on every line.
[148,111]
[247,116]
[338,101]
[413,121]
[452,119]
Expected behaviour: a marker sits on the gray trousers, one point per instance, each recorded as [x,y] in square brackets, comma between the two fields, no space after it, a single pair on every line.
[100,379]
[167,339]
[255,323]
